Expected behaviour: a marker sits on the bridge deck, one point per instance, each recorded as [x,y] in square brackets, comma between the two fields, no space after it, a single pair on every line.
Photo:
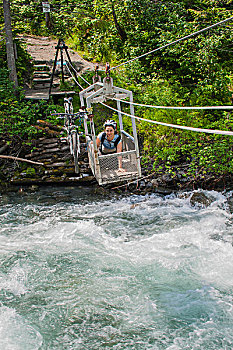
[44,94]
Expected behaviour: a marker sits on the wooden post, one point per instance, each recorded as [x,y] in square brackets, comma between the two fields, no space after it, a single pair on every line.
[46,10]
[9,43]
[62,68]
[54,66]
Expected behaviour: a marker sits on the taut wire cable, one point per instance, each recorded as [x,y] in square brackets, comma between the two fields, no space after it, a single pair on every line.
[78,73]
[208,131]
[73,76]
[172,107]
[174,42]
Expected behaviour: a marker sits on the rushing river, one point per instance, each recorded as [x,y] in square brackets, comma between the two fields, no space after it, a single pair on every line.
[83,271]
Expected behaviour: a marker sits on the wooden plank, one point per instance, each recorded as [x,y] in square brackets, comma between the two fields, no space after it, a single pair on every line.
[59,164]
[36,95]
[51,150]
[58,93]
[46,140]
[39,75]
[44,95]
[41,66]
[51,126]
[41,80]
[42,72]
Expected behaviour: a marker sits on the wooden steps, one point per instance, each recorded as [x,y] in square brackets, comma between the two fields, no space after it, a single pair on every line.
[41,83]
[43,74]
[42,67]
[42,77]
[58,163]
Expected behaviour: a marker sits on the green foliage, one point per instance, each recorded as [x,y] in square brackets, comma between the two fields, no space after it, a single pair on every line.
[18,116]
[30,172]
[201,152]
[24,65]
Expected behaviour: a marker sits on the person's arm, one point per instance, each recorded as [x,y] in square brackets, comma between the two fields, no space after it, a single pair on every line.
[119,149]
[97,142]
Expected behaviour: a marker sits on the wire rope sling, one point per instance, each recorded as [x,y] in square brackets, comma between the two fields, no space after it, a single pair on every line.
[121,165]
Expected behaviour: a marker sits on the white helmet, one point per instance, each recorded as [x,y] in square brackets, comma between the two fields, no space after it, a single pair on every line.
[110,123]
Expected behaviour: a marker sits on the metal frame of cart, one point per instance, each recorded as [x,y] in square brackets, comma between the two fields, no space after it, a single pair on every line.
[104,166]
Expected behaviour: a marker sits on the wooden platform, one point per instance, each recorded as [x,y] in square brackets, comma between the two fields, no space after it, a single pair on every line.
[44,94]
[40,84]
[62,93]
[36,95]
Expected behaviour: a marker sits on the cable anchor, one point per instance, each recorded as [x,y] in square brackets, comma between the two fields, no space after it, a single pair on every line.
[107,70]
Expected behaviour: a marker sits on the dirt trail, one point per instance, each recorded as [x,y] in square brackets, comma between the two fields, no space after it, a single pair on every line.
[44,49]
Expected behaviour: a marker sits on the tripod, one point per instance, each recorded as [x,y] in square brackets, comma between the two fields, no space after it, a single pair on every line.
[61,47]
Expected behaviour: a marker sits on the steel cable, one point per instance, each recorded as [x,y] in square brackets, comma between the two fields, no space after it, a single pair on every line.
[172,107]
[174,42]
[208,131]
[78,74]
[73,76]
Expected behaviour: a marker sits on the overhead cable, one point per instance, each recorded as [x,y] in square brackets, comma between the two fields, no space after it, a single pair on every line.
[208,131]
[172,107]
[174,42]
[78,73]
[73,76]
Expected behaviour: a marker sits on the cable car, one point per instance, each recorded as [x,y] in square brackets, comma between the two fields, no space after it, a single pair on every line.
[105,167]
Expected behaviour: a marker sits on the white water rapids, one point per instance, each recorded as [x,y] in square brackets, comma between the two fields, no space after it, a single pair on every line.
[81,271]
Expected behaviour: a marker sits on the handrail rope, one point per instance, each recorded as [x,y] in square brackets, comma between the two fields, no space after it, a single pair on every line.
[208,131]
[78,73]
[174,42]
[171,107]
[73,77]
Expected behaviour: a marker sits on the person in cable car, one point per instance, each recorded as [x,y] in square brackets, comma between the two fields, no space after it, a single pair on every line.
[109,141]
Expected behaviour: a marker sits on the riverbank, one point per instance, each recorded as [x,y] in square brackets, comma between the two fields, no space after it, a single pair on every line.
[148,185]
[58,169]
[21,177]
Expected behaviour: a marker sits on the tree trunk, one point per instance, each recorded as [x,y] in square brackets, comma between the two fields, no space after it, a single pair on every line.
[21,160]
[121,31]
[48,20]
[9,43]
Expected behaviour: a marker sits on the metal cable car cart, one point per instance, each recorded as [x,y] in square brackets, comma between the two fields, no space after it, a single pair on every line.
[105,168]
